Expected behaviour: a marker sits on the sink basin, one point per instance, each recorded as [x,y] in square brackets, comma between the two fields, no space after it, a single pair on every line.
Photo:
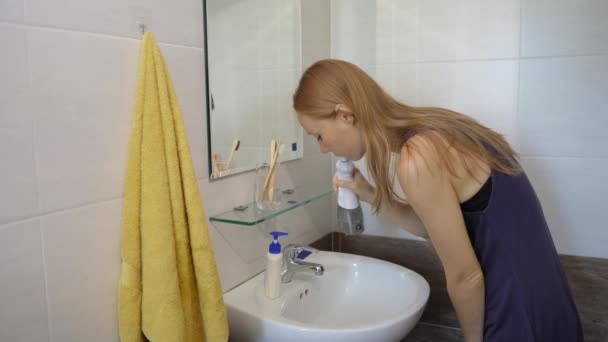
[356,299]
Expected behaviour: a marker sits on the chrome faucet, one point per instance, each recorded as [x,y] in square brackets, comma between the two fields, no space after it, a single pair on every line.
[291,262]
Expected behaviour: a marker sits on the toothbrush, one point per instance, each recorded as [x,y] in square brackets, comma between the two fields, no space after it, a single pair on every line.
[235,146]
[271,168]
[275,157]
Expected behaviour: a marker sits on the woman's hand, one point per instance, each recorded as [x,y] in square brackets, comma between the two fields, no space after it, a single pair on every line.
[359,185]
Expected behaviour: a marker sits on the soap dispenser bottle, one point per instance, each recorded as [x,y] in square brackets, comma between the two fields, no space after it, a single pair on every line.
[274,264]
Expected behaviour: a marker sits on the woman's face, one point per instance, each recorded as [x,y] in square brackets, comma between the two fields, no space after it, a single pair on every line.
[339,135]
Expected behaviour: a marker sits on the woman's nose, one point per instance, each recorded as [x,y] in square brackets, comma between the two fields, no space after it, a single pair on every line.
[323,148]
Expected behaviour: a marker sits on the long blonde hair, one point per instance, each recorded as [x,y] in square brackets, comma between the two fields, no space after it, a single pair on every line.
[385,123]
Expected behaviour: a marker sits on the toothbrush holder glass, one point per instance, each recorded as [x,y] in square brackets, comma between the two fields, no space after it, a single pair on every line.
[221,169]
[271,198]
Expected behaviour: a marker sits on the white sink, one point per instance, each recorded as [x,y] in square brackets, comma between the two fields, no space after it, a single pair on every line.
[356,299]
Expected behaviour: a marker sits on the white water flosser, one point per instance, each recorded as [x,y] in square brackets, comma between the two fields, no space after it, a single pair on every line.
[347,199]
[350,215]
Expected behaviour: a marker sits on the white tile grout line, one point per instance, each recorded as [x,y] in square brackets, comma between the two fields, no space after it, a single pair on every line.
[515,123]
[520,33]
[393,49]
[33,116]
[417,55]
[99,34]
[46,282]
[30,82]
[57,212]
[88,204]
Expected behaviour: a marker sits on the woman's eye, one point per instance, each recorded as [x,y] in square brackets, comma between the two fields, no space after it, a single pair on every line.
[318,138]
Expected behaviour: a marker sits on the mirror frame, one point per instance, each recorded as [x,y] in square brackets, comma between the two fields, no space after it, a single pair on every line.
[207,95]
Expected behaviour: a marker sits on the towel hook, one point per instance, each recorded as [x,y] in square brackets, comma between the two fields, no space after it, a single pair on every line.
[142,28]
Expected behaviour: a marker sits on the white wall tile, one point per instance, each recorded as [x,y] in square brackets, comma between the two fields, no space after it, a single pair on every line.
[23,310]
[564,27]
[470,29]
[512,140]
[311,145]
[82,253]
[84,101]
[370,69]
[398,80]
[384,32]
[384,76]
[187,70]
[404,83]
[231,268]
[18,194]
[573,194]
[486,91]
[562,109]
[310,236]
[396,23]
[311,221]
[353,30]
[12,10]
[316,31]
[405,30]
[178,23]
[249,243]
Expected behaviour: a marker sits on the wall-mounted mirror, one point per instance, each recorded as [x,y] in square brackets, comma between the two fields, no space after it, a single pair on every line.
[254,61]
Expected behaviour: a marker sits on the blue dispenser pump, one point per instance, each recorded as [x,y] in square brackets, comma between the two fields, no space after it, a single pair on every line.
[275,246]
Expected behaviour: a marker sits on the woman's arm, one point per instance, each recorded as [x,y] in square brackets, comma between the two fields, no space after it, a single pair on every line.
[397,213]
[426,182]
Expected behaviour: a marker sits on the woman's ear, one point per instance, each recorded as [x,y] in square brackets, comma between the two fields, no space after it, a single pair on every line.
[346,117]
[342,108]
[345,114]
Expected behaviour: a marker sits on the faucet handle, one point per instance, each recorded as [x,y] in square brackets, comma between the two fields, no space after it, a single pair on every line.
[292,250]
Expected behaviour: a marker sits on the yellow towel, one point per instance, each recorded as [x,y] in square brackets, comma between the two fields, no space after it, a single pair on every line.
[169,287]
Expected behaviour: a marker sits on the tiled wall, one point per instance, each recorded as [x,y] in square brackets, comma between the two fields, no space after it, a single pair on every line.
[534,70]
[67,85]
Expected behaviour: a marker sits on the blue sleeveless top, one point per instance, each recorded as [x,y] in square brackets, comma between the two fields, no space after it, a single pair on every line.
[527,296]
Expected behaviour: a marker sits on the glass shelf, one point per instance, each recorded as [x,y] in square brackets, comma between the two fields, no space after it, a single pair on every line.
[252,215]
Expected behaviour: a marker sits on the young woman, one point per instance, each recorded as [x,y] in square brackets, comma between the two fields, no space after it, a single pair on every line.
[465,183]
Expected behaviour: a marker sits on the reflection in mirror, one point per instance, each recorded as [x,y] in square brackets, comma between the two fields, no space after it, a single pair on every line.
[253,66]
